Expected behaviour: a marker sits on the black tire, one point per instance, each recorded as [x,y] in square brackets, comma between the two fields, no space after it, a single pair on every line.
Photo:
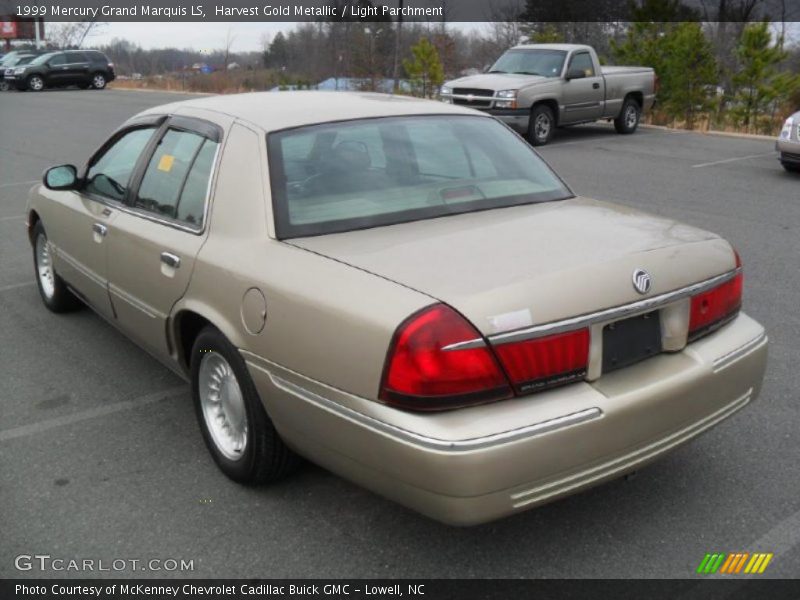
[541,126]
[55,295]
[265,457]
[4,86]
[99,81]
[791,168]
[35,83]
[628,119]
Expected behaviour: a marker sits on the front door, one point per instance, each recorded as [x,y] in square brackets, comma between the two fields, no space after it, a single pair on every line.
[583,98]
[154,242]
[86,216]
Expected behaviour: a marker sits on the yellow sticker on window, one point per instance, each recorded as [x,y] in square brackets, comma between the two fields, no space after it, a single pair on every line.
[165,164]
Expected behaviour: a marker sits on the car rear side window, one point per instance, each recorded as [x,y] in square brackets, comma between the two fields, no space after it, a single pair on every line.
[77,57]
[371,172]
[175,182]
[57,60]
[110,173]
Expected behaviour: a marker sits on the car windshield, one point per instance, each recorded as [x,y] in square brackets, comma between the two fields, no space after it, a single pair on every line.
[547,63]
[20,60]
[372,172]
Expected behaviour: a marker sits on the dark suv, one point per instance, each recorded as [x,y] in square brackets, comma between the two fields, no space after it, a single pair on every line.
[84,68]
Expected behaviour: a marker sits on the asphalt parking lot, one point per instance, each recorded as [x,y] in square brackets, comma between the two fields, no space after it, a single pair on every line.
[101,457]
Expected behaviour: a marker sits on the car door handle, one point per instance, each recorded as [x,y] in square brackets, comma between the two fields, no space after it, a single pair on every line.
[171,260]
[596,86]
[100,229]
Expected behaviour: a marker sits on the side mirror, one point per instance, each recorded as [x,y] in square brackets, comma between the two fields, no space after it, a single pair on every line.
[63,177]
[575,73]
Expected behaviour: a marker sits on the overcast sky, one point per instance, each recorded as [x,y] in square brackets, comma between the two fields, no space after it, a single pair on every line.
[201,36]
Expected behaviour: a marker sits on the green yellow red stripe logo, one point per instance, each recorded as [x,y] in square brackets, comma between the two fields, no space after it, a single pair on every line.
[734,563]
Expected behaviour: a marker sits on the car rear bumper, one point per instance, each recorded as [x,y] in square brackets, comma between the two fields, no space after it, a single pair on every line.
[473,465]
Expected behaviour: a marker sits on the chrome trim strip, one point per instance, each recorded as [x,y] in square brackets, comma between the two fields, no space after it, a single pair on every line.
[625,462]
[728,359]
[80,267]
[610,314]
[136,303]
[466,345]
[427,442]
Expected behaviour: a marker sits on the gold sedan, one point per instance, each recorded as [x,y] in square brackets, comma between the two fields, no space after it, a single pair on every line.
[401,291]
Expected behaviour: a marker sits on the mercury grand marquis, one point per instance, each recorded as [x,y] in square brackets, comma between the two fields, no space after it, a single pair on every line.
[401,291]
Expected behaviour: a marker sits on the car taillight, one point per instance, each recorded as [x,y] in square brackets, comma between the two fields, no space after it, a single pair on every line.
[545,362]
[717,306]
[421,374]
[110,65]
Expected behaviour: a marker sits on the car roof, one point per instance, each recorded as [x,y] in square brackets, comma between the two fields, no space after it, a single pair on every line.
[562,47]
[273,111]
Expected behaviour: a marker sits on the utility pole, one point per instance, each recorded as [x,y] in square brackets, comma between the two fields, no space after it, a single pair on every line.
[397,36]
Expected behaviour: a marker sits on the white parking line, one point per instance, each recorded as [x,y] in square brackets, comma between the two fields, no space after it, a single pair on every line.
[16,183]
[730,160]
[84,415]
[14,286]
[14,218]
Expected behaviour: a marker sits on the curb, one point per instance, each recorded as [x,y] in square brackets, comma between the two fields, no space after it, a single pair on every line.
[156,91]
[733,134]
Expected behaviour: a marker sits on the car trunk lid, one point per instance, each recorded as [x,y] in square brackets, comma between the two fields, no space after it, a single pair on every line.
[510,268]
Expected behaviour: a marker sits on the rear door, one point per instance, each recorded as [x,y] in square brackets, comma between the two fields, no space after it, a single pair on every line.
[154,241]
[77,68]
[583,98]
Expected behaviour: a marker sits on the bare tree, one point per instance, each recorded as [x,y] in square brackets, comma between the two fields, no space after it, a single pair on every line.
[73,34]
[230,37]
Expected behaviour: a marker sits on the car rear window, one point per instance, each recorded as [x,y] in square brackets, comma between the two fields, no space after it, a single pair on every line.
[366,173]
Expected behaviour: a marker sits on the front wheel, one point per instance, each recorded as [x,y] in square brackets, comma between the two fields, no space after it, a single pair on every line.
[791,168]
[98,81]
[35,83]
[52,289]
[628,119]
[541,126]
[235,426]
[4,87]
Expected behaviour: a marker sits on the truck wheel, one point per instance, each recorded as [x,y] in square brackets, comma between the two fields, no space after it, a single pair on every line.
[98,81]
[35,83]
[236,428]
[541,126]
[628,119]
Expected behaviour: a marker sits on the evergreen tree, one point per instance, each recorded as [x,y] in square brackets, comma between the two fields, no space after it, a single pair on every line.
[758,83]
[425,69]
[690,73]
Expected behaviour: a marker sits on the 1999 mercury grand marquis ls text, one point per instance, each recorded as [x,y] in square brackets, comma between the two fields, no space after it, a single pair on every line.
[401,291]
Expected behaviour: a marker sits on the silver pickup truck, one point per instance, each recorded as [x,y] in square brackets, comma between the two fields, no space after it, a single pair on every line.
[535,88]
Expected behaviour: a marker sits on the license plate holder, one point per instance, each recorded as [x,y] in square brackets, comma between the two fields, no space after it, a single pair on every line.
[629,341]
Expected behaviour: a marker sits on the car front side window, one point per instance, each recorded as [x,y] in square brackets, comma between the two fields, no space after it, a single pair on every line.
[110,174]
[57,60]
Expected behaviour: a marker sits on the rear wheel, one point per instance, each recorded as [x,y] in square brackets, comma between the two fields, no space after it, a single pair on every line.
[541,126]
[98,81]
[235,426]
[35,83]
[52,289]
[628,119]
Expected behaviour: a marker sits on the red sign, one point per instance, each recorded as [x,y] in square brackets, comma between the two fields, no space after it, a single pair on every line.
[8,29]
